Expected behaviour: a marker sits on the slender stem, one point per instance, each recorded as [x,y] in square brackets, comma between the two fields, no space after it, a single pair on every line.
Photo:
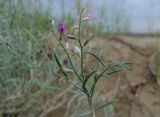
[81,47]
[91,107]
[67,56]
[80,43]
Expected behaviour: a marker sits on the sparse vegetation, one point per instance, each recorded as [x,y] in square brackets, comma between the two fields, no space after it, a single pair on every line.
[59,67]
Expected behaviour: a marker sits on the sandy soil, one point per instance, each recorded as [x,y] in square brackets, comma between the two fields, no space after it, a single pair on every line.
[137,91]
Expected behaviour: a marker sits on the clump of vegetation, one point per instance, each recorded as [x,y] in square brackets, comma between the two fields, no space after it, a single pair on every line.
[20,46]
[35,81]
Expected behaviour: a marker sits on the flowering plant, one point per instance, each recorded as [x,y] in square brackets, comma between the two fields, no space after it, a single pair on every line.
[83,71]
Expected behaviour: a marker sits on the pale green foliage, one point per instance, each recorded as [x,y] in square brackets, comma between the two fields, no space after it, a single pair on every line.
[31,79]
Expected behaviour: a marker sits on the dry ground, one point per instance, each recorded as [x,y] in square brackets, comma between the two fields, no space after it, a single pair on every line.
[137,91]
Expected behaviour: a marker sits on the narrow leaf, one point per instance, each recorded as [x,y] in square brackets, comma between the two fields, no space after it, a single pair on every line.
[105,69]
[70,61]
[86,42]
[90,68]
[71,37]
[115,71]
[59,64]
[88,77]
[121,64]
[107,104]
[95,57]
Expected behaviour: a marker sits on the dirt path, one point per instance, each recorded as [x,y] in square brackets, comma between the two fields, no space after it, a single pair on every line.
[137,90]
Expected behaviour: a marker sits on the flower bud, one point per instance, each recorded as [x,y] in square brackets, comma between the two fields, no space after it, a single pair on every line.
[77,50]
[88,17]
[85,18]
[82,9]
[52,23]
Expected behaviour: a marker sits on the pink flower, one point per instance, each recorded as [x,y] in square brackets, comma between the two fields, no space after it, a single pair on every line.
[61,28]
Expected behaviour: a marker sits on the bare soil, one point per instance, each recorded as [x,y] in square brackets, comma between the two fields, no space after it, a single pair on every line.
[137,91]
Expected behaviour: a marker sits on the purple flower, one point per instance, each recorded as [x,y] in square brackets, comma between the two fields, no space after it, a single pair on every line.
[61,28]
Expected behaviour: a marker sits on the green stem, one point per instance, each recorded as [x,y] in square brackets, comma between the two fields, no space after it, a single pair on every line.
[91,107]
[67,56]
[80,43]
